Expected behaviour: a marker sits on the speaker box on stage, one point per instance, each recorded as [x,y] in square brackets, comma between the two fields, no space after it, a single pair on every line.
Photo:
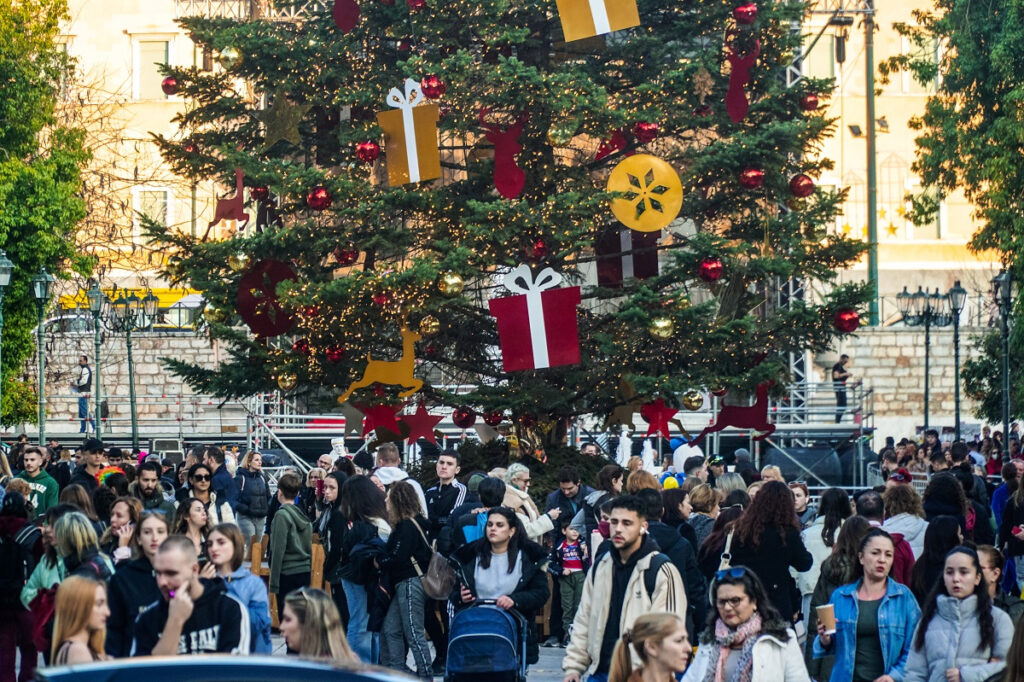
[822,461]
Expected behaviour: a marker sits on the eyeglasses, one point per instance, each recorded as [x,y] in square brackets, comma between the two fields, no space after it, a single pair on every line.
[736,572]
[732,602]
[201,477]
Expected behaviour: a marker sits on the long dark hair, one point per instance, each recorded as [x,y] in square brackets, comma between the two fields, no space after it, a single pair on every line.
[670,500]
[772,622]
[986,626]
[772,507]
[1015,657]
[939,538]
[515,545]
[945,489]
[714,543]
[361,500]
[834,506]
[839,567]
[858,569]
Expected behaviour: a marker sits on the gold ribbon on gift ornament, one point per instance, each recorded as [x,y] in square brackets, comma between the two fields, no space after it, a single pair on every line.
[532,288]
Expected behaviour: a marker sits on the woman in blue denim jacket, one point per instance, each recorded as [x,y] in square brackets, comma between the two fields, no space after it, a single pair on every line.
[875,619]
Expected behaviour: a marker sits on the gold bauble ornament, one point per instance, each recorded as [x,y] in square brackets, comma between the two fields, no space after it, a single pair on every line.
[451,283]
[214,315]
[287,382]
[229,57]
[662,328]
[693,400]
[429,325]
[238,261]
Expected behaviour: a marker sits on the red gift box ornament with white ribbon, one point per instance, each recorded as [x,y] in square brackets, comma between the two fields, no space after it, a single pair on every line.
[537,326]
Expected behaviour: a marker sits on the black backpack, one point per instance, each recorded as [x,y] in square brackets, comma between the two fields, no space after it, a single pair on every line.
[16,565]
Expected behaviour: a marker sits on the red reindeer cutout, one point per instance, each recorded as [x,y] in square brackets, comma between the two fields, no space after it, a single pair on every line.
[230,208]
[754,417]
[509,178]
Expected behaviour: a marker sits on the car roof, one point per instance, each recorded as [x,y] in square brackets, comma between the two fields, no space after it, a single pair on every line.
[215,668]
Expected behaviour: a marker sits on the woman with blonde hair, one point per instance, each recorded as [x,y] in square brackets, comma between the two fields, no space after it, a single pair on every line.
[659,641]
[78,548]
[311,625]
[80,625]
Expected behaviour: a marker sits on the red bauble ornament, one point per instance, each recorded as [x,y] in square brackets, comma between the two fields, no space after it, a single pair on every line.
[751,178]
[703,111]
[260,193]
[319,199]
[846,320]
[719,392]
[416,4]
[381,298]
[809,102]
[493,418]
[432,86]
[801,186]
[710,270]
[745,14]
[190,148]
[528,421]
[538,250]
[404,45]
[301,346]
[169,85]
[335,354]
[367,151]
[463,417]
[645,131]
[346,255]
[311,310]
[346,14]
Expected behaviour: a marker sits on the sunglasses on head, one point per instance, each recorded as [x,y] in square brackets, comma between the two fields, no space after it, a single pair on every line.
[737,572]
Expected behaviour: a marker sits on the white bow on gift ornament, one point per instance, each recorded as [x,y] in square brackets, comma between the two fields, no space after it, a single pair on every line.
[413,96]
[520,280]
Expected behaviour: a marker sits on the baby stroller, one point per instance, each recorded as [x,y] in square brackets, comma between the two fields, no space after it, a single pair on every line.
[485,639]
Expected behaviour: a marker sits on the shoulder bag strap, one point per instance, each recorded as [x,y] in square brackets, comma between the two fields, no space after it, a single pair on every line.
[416,564]
[726,560]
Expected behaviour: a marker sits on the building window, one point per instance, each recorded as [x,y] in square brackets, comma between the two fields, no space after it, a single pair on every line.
[149,55]
[153,204]
[820,62]
[930,50]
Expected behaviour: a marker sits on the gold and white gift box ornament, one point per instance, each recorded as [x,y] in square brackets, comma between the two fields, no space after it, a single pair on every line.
[588,18]
[410,136]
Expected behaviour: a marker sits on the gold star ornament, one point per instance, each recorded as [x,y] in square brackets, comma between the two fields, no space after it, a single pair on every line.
[282,120]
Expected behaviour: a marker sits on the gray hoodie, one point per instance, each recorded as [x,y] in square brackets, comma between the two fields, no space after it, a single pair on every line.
[952,641]
[912,529]
[389,475]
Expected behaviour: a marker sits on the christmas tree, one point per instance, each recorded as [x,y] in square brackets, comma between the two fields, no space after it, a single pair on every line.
[420,176]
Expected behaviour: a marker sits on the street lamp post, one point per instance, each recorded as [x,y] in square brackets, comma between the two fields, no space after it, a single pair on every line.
[131,314]
[6,270]
[42,287]
[1002,292]
[96,301]
[922,308]
[957,300]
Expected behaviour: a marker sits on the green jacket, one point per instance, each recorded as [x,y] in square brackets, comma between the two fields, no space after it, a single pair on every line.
[44,491]
[291,544]
[45,576]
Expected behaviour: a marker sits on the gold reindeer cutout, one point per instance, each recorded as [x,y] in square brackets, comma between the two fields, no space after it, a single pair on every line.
[391,372]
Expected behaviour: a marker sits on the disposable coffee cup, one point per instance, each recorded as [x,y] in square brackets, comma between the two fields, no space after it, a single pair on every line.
[827,617]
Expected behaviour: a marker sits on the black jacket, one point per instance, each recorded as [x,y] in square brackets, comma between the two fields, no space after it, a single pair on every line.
[85,479]
[529,596]
[404,544]
[771,560]
[982,530]
[441,500]
[219,624]
[1013,515]
[132,589]
[253,494]
[332,526]
[680,551]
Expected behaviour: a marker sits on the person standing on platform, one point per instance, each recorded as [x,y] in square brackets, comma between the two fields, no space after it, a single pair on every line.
[839,377]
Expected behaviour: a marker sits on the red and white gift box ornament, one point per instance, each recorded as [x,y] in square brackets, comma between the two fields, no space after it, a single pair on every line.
[537,327]
[624,254]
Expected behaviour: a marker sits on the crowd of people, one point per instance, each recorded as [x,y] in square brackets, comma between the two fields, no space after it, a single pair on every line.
[708,571]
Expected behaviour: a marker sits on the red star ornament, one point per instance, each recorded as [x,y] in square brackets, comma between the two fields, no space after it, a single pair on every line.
[421,425]
[657,414]
[379,417]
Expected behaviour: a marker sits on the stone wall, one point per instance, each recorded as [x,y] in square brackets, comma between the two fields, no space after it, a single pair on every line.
[891,361]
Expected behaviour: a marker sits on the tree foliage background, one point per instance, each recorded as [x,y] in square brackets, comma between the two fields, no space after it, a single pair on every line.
[971,137]
[508,58]
[40,166]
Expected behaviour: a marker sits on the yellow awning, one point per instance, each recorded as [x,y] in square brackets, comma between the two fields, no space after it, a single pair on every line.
[167,297]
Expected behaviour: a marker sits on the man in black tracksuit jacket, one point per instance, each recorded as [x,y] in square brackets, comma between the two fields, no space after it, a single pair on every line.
[132,590]
[194,615]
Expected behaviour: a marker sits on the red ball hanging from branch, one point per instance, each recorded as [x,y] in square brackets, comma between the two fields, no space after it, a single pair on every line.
[809,102]
[169,85]
[538,250]
[801,186]
[260,193]
[346,255]
[846,320]
[745,14]
[416,4]
[367,151]
[335,354]
[433,87]
[319,199]
[301,346]
[645,131]
[493,418]
[710,269]
[751,178]
[463,417]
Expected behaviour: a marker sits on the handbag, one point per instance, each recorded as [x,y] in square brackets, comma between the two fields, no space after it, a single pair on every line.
[439,579]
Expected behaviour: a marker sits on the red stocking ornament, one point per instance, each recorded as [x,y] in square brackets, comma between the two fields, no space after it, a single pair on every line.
[736,103]
[509,178]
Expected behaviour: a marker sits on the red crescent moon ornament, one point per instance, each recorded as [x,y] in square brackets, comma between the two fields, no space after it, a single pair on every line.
[258,303]
[346,14]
